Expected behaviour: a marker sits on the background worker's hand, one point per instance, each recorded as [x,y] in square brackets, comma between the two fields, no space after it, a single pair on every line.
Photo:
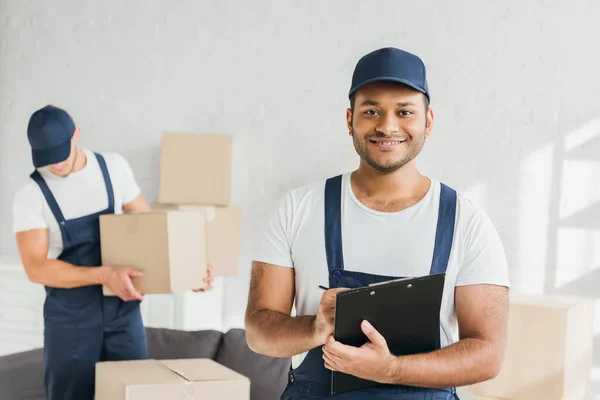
[326,315]
[119,281]
[208,280]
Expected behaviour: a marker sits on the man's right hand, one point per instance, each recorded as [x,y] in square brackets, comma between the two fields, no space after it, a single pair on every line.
[119,281]
[326,315]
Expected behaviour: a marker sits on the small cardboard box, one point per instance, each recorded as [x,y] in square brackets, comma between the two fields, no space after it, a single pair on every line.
[222,235]
[195,169]
[190,379]
[168,247]
[549,350]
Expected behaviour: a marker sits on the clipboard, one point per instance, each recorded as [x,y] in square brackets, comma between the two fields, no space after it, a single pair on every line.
[405,311]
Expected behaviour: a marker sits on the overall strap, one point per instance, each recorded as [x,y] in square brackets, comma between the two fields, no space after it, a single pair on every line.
[35,175]
[333,228]
[107,182]
[444,234]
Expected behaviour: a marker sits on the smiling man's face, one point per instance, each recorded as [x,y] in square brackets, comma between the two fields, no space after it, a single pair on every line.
[389,123]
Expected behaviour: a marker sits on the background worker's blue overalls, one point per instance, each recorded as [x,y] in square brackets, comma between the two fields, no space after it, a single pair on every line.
[311,380]
[81,326]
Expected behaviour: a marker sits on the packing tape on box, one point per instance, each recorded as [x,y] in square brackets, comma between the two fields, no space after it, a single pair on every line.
[188,392]
[210,213]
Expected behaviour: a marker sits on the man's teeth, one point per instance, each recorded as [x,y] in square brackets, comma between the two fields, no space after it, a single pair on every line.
[388,142]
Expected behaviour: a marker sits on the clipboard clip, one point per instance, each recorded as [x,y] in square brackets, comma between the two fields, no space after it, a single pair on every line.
[390,281]
[373,292]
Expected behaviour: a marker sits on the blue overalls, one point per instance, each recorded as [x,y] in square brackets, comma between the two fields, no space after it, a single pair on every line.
[311,380]
[81,326]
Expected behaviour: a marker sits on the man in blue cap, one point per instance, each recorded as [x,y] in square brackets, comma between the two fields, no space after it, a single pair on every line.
[56,221]
[381,221]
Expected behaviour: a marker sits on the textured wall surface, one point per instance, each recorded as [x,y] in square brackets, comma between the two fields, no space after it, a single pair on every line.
[514,86]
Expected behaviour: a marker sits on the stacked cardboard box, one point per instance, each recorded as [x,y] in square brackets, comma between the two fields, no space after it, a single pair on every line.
[549,350]
[192,224]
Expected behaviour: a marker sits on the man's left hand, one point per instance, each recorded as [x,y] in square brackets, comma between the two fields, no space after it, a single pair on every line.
[372,361]
[208,280]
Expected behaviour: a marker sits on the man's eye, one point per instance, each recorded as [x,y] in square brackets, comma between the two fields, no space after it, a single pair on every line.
[405,113]
[371,112]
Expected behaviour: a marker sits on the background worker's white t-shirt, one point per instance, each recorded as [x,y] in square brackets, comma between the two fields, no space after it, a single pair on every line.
[391,244]
[79,194]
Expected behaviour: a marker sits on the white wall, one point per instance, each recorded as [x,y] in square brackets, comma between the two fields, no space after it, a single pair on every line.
[514,85]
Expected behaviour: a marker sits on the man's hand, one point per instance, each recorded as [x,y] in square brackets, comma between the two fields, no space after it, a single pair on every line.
[371,361]
[119,281]
[326,314]
[208,280]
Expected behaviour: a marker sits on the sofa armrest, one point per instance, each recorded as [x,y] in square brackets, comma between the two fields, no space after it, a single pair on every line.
[268,376]
[22,376]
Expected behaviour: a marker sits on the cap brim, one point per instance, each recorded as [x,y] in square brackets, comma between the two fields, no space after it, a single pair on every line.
[53,155]
[388,79]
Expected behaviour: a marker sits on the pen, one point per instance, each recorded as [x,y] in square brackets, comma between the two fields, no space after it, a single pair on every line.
[323,287]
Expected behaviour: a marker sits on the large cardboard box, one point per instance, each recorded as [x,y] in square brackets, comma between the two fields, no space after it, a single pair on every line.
[169,247]
[190,379]
[549,350]
[222,234]
[195,169]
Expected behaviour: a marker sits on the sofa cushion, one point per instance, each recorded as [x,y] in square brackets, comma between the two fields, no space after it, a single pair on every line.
[268,375]
[170,344]
[22,376]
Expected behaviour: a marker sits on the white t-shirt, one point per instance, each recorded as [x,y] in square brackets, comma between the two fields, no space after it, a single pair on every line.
[391,244]
[79,194]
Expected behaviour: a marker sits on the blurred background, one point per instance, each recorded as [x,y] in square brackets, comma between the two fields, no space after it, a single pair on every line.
[514,89]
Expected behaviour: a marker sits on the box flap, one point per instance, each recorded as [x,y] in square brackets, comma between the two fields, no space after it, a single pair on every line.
[204,369]
[140,372]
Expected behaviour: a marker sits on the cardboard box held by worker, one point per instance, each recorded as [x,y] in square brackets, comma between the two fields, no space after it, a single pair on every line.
[168,247]
[222,235]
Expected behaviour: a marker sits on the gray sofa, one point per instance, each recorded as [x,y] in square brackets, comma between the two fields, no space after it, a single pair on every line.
[21,374]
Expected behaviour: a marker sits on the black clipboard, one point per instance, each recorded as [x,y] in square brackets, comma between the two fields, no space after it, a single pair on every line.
[405,311]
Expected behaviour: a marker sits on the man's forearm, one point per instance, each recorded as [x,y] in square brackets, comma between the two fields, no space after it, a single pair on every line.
[60,274]
[464,363]
[278,335]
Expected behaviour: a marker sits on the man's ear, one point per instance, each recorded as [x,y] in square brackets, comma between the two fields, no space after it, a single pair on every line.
[428,122]
[349,121]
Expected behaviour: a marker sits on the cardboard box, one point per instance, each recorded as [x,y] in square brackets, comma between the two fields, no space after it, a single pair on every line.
[195,169]
[190,379]
[222,235]
[168,247]
[549,350]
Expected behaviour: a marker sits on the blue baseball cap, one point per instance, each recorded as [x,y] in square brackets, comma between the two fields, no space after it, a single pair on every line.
[390,65]
[49,131]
